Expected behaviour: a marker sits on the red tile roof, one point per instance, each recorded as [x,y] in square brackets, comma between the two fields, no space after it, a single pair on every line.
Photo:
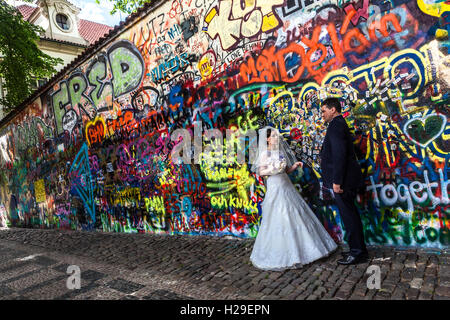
[89,30]
[92,31]
[26,10]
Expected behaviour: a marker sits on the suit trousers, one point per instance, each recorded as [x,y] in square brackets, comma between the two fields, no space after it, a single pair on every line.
[352,221]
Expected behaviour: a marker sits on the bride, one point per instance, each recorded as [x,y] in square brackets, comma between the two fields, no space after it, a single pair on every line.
[290,235]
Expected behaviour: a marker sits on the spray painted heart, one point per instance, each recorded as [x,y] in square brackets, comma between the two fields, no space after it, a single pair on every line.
[95,131]
[423,131]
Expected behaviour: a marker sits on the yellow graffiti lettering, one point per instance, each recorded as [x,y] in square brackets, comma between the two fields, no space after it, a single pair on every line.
[155,204]
[231,201]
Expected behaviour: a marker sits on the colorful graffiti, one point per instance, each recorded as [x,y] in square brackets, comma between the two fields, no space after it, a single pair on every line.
[97,151]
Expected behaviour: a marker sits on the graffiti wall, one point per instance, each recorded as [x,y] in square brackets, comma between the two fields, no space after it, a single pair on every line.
[95,151]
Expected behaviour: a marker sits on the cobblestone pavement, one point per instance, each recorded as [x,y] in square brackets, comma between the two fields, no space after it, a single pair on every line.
[33,265]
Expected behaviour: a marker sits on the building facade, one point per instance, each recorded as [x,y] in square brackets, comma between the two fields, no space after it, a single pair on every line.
[66,35]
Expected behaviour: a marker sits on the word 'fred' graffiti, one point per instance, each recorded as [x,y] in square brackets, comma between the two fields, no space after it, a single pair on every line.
[126,66]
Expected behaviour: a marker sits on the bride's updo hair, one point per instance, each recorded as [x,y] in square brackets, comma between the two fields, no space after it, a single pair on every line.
[269,132]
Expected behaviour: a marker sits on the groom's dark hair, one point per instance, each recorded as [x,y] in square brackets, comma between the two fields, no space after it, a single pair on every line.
[332,103]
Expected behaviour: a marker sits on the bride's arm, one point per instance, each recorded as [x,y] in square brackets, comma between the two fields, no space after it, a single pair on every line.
[295,166]
[264,171]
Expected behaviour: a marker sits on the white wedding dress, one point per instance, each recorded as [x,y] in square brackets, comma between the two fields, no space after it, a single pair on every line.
[290,235]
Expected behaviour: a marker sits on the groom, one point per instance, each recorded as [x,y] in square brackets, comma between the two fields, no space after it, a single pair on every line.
[342,173]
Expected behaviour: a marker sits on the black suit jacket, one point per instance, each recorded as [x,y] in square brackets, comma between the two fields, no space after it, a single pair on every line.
[338,160]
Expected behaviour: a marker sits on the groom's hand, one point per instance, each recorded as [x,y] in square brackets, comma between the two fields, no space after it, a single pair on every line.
[337,188]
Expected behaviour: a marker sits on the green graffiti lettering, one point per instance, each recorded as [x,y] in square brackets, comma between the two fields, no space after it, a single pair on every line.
[432,234]
[444,236]
[59,100]
[127,67]
[416,237]
[95,75]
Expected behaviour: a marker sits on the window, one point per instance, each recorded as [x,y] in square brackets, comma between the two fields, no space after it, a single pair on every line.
[34,84]
[42,82]
[62,21]
[2,89]
[37,83]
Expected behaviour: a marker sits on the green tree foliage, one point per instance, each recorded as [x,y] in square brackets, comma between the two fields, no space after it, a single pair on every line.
[20,57]
[126,6]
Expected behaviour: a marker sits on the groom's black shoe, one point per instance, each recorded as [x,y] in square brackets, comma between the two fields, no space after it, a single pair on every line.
[349,259]
[362,255]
